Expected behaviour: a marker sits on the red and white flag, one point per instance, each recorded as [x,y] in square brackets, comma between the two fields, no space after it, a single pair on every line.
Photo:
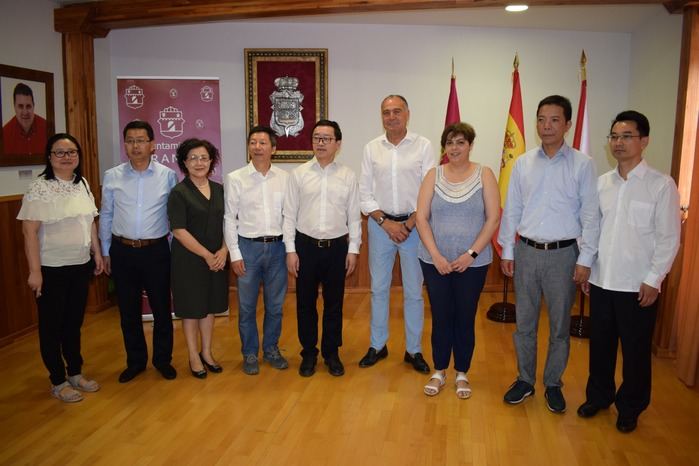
[581,139]
[453,115]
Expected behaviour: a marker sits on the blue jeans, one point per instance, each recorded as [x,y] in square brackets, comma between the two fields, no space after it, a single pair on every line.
[264,263]
[382,255]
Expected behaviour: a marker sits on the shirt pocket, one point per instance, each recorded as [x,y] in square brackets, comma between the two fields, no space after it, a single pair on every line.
[338,193]
[640,214]
[277,201]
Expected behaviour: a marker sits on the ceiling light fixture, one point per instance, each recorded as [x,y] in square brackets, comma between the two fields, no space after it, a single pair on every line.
[516,8]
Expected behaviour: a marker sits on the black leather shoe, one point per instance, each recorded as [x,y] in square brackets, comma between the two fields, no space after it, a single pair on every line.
[167,371]
[335,366]
[626,424]
[372,356]
[215,368]
[198,374]
[308,367]
[129,373]
[417,361]
[588,409]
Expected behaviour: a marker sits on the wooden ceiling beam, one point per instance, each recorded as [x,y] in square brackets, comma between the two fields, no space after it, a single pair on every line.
[98,18]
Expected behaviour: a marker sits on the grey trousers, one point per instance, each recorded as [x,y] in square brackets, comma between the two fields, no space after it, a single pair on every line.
[549,272]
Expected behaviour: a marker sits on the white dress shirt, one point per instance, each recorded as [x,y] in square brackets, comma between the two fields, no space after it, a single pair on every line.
[391,175]
[254,205]
[552,199]
[640,232]
[322,203]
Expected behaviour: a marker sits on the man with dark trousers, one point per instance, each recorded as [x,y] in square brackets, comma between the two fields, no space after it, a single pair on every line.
[640,236]
[322,234]
[134,234]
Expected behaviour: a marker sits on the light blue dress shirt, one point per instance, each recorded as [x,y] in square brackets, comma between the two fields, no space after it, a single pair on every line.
[552,199]
[134,203]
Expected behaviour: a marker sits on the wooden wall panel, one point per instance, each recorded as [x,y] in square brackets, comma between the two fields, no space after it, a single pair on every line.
[17,305]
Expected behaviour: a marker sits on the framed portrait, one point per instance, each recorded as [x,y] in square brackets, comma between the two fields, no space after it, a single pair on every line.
[26,113]
[287,90]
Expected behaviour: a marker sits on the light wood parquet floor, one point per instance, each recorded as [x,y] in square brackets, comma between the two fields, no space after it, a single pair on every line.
[374,416]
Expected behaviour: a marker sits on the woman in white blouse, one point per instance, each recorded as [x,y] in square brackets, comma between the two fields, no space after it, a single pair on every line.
[57,216]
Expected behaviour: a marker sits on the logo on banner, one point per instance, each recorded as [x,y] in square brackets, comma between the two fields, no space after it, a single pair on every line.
[199,123]
[134,97]
[171,122]
[173,93]
[207,94]
[286,117]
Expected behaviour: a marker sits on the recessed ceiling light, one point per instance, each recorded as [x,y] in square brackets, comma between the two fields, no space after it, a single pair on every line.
[516,8]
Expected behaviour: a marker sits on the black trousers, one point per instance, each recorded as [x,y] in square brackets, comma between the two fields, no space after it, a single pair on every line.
[61,309]
[133,270]
[454,302]
[616,316]
[325,266]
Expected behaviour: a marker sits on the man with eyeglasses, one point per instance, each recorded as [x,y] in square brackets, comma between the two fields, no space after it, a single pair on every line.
[552,207]
[393,167]
[322,234]
[254,196]
[134,234]
[640,235]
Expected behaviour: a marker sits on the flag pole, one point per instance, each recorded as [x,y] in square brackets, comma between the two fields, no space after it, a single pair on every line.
[505,311]
[580,324]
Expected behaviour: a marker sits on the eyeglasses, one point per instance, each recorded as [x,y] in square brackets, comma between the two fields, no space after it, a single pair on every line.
[455,142]
[199,158]
[323,139]
[622,137]
[136,142]
[63,153]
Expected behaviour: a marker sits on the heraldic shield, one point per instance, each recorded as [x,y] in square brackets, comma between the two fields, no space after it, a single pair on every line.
[286,101]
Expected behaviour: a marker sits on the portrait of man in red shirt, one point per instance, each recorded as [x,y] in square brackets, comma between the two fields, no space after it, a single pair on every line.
[26,132]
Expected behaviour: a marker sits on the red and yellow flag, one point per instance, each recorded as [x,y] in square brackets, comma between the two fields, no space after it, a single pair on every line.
[453,115]
[514,145]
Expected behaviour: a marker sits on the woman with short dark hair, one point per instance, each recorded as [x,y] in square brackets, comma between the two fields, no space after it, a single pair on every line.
[57,216]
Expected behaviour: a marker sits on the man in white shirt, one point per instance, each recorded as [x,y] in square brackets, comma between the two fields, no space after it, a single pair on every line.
[640,236]
[393,167]
[322,233]
[253,231]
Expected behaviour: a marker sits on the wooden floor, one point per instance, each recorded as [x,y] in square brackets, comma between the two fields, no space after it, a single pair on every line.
[375,416]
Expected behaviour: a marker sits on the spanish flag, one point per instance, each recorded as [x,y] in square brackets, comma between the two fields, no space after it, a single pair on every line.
[513,146]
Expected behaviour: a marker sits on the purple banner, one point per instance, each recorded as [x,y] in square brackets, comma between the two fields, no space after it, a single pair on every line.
[176,108]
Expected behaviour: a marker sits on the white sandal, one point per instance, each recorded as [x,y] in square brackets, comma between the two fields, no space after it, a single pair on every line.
[79,382]
[66,393]
[431,390]
[462,393]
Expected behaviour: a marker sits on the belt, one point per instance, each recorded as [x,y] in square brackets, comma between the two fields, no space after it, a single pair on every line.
[266,239]
[138,243]
[397,218]
[546,246]
[320,243]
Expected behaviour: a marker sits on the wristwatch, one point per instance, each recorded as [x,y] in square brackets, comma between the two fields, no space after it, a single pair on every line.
[472,253]
[380,220]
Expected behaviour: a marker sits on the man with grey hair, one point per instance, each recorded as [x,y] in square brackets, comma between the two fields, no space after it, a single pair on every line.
[393,167]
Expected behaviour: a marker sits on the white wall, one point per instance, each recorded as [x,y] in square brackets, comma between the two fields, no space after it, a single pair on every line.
[655,63]
[29,41]
[366,62]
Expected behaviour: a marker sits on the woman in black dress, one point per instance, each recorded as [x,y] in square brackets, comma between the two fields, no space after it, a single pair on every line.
[199,253]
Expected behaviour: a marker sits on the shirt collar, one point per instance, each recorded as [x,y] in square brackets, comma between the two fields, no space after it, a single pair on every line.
[149,169]
[639,171]
[562,151]
[409,137]
[316,164]
[252,171]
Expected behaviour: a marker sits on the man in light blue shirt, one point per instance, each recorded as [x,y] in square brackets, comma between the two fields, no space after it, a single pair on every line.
[552,204]
[133,231]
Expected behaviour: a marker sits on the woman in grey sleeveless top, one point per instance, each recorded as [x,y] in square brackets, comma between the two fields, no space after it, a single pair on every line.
[458,210]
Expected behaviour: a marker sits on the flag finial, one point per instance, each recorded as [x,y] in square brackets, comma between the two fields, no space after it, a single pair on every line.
[583,65]
[516,62]
[452,68]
